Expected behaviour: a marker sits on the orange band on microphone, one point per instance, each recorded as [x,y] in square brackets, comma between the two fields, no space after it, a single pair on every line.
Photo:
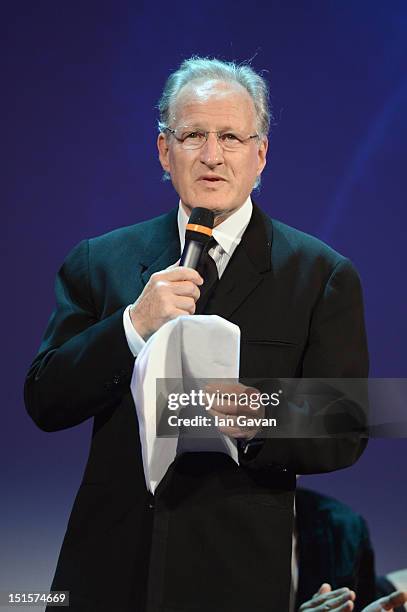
[199,228]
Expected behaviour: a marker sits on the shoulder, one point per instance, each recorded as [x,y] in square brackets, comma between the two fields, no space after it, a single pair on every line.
[124,242]
[295,250]
[294,242]
[142,233]
[301,242]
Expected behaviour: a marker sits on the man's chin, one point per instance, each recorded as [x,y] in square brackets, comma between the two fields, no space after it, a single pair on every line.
[219,209]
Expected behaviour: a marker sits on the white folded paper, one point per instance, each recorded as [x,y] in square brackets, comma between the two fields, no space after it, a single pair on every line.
[197,347]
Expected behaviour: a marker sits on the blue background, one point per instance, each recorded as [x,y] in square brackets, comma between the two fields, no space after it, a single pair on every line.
[80,81]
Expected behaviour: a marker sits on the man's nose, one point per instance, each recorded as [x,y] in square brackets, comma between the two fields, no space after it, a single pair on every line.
[211,153]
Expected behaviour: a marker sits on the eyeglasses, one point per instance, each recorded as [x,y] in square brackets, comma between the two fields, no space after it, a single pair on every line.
[229,141]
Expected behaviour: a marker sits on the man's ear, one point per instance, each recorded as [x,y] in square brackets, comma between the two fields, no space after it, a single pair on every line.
[262,155]
[163,151]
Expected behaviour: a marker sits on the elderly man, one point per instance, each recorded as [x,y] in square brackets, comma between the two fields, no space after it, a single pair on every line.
[216,536]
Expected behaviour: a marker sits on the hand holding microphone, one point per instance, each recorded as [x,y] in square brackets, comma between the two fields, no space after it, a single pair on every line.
[171,293]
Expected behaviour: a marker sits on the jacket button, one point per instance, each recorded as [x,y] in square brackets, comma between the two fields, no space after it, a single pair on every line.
[151,506]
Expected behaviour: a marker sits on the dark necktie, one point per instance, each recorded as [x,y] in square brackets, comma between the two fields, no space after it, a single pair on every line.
[209,272]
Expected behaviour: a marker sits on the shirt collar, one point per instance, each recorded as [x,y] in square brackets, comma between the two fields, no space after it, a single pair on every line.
[228,233]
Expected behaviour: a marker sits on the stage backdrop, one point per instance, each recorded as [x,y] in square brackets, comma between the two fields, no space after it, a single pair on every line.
[80,81]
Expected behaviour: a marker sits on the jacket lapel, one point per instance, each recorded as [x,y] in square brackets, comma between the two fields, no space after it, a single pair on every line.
[245,271]
[163,248]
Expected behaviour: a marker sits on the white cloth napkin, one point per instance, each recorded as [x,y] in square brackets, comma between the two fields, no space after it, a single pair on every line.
[197,347]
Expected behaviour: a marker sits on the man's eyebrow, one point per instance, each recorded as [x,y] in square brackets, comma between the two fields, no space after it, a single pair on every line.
[199,128]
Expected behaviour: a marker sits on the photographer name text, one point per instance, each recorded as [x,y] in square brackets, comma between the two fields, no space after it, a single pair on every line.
[240,420]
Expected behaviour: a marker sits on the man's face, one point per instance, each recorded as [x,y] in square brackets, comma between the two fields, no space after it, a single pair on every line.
[211,176]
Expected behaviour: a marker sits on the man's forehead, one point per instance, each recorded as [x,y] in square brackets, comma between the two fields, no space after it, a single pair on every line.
[211,97]
[204,89]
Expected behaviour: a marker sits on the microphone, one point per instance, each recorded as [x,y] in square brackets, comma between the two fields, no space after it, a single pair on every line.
[197,235]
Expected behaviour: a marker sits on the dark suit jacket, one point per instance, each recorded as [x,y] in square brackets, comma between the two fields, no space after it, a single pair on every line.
[215,536]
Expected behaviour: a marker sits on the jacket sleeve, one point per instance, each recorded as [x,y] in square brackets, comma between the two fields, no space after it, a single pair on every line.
[336,349]
[84,364]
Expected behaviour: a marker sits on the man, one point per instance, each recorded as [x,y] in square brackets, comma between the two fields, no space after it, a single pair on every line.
[216,535]
[334,559]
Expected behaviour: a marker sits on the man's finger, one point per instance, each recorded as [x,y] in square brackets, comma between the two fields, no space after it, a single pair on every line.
[184,303]
[234,399]
[395,599]
[324,588]
[398,598]
[232,429]
[340,600]
[334,599]
[185,288]
[180,274]
[234,387]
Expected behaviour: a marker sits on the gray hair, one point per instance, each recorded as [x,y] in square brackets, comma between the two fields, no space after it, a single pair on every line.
[204,68]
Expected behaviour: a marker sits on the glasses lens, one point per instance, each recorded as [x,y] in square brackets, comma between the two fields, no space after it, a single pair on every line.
[192,140]
[230,141]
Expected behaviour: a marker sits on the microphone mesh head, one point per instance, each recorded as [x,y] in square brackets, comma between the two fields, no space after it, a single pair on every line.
[200,224]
